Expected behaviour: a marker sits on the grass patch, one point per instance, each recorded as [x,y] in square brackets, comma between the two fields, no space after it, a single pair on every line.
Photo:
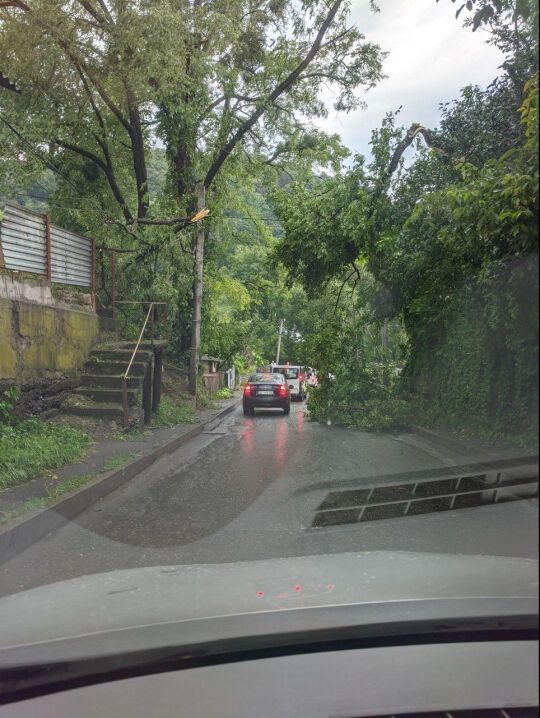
[170,414]
[223,393]
[64,487]
[30,448]
[115,462]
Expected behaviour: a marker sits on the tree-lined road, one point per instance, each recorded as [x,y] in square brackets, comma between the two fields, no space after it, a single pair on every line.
[248,487]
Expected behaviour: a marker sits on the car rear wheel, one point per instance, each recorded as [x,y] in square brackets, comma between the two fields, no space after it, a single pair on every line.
[249,411]
[287,410]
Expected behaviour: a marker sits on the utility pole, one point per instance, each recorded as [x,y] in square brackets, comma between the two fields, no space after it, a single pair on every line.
[197,296]
[279,340]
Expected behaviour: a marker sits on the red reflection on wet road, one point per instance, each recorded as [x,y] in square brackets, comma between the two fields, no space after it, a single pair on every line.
[280,453]
[249,439]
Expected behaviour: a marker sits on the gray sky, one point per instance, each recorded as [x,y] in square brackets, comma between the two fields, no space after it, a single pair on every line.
[431,58]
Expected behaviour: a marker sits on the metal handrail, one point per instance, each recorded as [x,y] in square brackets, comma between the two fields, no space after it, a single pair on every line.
[125,408]
[151,309]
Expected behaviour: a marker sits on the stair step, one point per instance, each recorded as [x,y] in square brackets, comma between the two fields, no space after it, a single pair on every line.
[120,354]
[113,381]
[115,367]
[114,396]
[146,345]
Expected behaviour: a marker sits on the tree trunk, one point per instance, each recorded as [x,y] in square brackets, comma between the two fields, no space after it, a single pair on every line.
[197,297]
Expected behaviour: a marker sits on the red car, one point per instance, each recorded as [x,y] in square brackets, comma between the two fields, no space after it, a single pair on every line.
[268,391]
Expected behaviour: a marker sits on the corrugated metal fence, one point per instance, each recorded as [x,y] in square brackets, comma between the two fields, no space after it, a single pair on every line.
[30,243]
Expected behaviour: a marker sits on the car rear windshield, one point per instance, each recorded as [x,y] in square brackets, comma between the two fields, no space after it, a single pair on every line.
[291,373]
[266,378]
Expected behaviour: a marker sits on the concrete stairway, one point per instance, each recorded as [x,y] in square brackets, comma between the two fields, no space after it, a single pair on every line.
[100,390]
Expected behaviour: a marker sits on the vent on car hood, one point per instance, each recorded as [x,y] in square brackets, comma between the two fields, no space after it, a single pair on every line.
[424,496]
[478,713]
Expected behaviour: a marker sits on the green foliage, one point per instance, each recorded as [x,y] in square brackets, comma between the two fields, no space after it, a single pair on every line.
[30,448]
[116,462]
[170,414]
[8,399]
[448,245]
[358,376]
[64,487]
[223,393]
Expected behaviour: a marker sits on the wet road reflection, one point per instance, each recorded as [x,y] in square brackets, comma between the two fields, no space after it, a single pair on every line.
[253,490]
[178,508]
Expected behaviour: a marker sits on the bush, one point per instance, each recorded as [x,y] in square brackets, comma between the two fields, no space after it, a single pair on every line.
[223,393]
[383,414]
[364,398]
[8,399]
[170,414]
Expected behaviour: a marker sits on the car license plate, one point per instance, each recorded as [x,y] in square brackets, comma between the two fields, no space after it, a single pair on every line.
[266,393]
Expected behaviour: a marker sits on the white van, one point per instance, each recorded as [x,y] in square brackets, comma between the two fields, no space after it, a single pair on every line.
[295,376]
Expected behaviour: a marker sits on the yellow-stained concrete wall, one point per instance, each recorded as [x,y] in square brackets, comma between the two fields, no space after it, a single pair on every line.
[37,340]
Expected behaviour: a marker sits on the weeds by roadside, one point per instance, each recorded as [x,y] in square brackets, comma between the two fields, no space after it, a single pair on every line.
[30,448]
[115,462]
[223,393]
[170,414]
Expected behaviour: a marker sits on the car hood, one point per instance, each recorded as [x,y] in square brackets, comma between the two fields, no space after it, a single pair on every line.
[166,595]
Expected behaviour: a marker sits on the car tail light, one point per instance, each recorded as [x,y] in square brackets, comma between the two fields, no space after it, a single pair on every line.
[283,391]
[247,390]
[301,377]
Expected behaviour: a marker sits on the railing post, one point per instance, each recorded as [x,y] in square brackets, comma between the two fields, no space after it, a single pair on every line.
[93,270]
[113,282]
[147,394]
[156,388]
[125,408]
[48,252]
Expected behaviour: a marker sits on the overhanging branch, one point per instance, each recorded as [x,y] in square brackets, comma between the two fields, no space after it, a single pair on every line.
[280,88]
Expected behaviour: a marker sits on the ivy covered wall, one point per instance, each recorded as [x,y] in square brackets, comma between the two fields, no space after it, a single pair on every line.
[480,371]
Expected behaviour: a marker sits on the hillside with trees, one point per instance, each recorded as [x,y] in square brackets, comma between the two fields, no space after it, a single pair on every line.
[408,279]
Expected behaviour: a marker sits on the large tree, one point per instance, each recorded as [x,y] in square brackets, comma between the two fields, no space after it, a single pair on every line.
[211,80]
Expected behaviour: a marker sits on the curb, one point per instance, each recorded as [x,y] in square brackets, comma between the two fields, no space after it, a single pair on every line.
[25,531]
[456,445]
[435,437]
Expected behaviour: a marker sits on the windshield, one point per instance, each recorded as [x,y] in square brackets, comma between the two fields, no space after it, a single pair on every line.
[291,373]
[266,378]
[195,197]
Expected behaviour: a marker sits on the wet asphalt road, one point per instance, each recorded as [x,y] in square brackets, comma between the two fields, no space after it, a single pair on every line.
[247,489]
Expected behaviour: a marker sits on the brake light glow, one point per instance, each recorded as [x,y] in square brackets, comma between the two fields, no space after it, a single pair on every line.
[247,390]
[283,391]
[301,377]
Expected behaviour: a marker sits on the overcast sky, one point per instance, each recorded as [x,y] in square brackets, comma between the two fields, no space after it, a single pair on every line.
[431,57]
